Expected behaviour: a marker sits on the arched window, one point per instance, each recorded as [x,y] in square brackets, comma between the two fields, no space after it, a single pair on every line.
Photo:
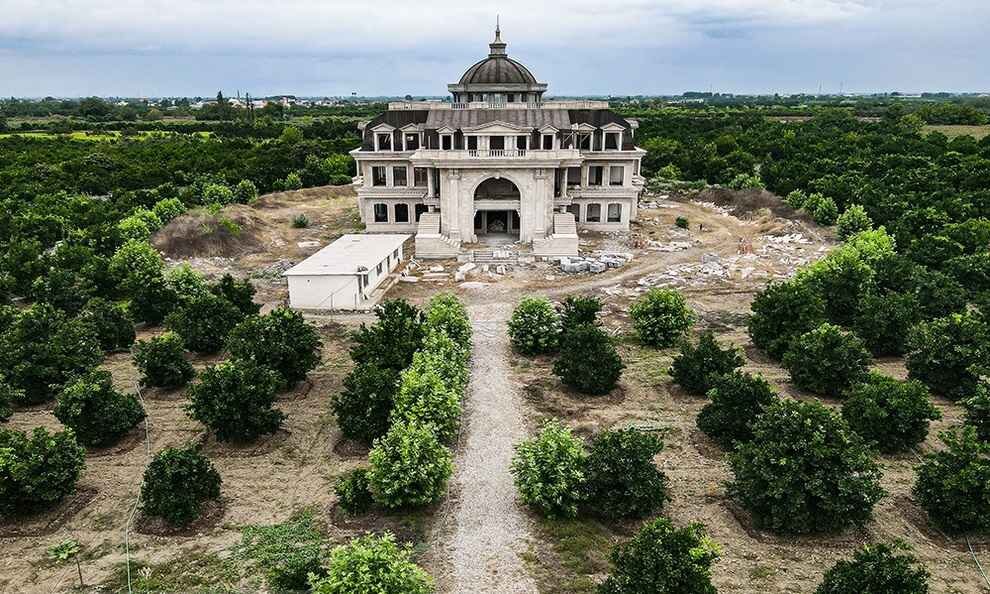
[381,212]
[401,213]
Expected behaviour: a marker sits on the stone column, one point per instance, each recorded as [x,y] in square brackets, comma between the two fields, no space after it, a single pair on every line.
[563,184]
[429,182]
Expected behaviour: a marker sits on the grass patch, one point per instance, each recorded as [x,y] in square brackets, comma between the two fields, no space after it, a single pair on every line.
[645,365]
[953,131]
[192,570]
[578,554]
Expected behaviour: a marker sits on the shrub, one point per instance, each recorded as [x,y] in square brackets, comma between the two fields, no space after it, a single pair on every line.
[796,199]
[663,558]
[876,569]
[204,323]
[245,192]
[293,181]
[8,395]
[549,471]
[621,479]
[340,179]
[393,339]
[696,367]
[42,349]
[280,340]
[972,271]
[746,181]
[300,221]
[162,361]
[827,360]
[188,283]
[946,354]
[892,414]
[736,400]
[238,292]
[218,194]
[424,398]
[286,553]
[445,358]
[939,294]
[534,327]
[354,492]
[576,310]
[234,399]
[829,481]
[176,484]
[364,405]
[37,471]
[134,229]
[883,321]
[953,484]
[445,313]
[409,466]
[822,209]
[978,411]
[152,300]
[661,317]
[113,326]
[585,344]
[97,413]
[372,564]
[853,220]
[781,312]
[843,279]
[167,209]
[681,222]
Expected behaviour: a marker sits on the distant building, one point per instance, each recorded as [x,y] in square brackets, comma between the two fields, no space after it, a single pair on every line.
[498,162]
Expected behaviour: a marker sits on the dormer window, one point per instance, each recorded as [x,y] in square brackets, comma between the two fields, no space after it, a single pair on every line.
[446,142]
[383,141]
[546,142]
[410,142]
[584,141]
[612,140]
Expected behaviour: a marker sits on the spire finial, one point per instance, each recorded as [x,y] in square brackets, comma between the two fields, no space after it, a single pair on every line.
[498,30]
[497,46]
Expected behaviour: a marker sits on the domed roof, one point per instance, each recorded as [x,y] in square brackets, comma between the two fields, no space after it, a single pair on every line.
[498,68]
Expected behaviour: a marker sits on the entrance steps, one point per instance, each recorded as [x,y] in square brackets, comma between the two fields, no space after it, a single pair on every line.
[495,256]
[563,241]
[430,243]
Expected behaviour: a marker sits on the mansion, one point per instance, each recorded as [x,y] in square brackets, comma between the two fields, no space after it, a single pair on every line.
[497,163]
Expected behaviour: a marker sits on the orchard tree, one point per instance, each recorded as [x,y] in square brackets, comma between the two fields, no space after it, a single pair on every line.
[953,484]
[698,366]
[576,310]
[364,405]
[661,317]
[204,323]
[827,360]
[37,470]
[621,479]
[280,340]
[235,400]
[853,220]
[828,483]
[162,361]
[423,398]
[585,344]
[372,563]
[663,558]
[782,312]
[949,354]
[890,413]
[737,399]
[409,466]
[114,327]
[884,320]
[876,569]
[446,314]
[978,411]
[238,292]
[176,484]
[96,411]
[391,341]
[41,349]
[534,328]
[549,471]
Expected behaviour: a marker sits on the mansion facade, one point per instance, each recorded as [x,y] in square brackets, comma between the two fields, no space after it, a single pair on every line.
[497,162]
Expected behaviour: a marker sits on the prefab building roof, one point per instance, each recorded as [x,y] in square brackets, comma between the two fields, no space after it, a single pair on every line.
[349,255]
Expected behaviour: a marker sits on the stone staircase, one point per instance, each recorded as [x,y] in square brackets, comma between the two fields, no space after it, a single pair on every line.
[563,241]
[430,243]
[495,256]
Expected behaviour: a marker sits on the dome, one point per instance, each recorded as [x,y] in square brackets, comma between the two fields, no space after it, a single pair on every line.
[498,68]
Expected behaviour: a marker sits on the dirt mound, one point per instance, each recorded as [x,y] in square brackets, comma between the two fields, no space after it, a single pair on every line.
[747,202]
[234,231]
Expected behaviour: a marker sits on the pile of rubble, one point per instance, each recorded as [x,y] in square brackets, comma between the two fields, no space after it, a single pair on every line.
[595,264]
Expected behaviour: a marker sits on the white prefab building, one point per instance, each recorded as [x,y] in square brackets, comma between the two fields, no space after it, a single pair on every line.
[345,274]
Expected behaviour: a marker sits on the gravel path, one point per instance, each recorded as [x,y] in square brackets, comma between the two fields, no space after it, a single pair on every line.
[489,530]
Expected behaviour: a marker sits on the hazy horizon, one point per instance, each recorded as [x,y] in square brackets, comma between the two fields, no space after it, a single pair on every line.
[626,47]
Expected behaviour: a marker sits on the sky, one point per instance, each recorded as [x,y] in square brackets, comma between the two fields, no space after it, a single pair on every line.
[148,48]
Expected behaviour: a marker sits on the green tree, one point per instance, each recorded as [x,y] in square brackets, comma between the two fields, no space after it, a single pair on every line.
[783,311]
[853,220]
[827,360]
[737,399]
[280,340]
[111,323]
[37,470]
[97,412]
[953,484]
[204,323]
[365,404]
[162,362]
[425,399]
[372,564]
[409,466]
[576,310]
[549,471]
[890,413]
[884,320]
[238,292]
[621,479]
[795,484]
[534,327]
[583,344]
[978,411]
[663,558]
[176,484]
[949,354]
[391,341]
[876,569]
[661,317]
[698,366]
[235,400]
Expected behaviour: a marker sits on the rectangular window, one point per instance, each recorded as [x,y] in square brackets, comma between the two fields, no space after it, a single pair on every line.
[412,142]
[614,213]
[615,175]
[395,254]
[593,213]
[595,175]
[573,176]
[379,268]
[584,141]
[378,176]
[548,142]
[420,209]
[446,142]
[381,212]
[385,141]
[420,176]
[401,213]
[521,142]
[399,176]
[611,141]
[472,143]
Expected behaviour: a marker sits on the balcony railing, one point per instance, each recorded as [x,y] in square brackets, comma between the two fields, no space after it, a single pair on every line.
[470,154]
[497,153]
[406,105]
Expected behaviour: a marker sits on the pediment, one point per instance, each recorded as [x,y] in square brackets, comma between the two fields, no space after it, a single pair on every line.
[583,127]
[548,129]
[410,128]
[498,127]
[613,127]
[383,127]
[446,130]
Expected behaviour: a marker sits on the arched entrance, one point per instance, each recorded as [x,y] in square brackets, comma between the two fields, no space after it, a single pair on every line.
[496,217]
